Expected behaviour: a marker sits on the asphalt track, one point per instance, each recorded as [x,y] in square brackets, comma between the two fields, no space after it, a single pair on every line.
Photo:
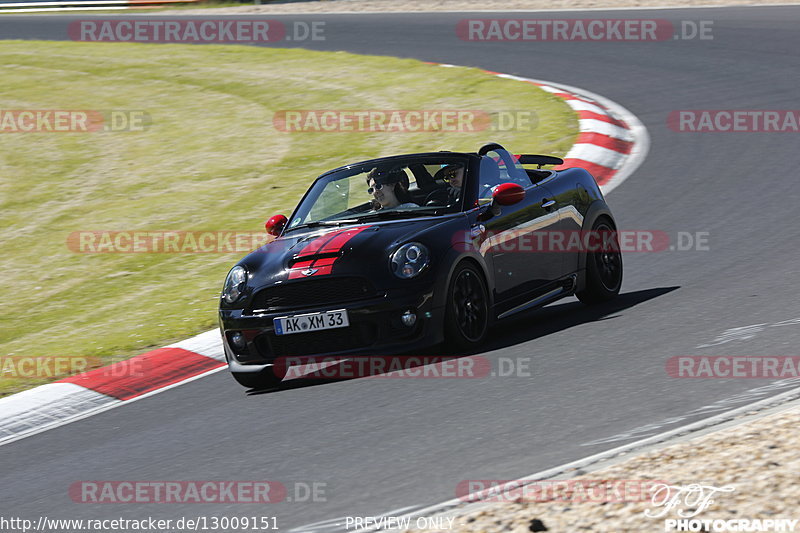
[384,444]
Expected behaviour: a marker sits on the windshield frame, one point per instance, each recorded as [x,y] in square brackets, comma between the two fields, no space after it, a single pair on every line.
[303,208]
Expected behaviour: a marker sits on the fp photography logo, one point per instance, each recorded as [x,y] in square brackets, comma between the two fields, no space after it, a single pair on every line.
[687,502]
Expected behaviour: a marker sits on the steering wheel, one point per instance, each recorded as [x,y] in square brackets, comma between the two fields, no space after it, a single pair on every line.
[439,197]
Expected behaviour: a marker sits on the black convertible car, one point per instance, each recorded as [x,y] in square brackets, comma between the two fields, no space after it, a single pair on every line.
[401,253]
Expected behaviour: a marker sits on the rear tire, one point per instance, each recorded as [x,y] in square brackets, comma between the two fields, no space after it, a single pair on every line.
[603,269]
[466,319]
[266,379]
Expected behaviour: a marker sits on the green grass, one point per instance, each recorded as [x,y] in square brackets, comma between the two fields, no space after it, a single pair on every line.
[211,159]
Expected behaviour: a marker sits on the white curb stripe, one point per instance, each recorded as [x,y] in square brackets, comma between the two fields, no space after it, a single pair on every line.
[508,76]
[56,404]
[618,165]
[45,406]
[208,343]
[549,89]
[100,407]
[580,105]
[639,133]
[591,125]
[598,155]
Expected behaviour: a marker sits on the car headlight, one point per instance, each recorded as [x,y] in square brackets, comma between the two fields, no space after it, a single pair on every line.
[409,260]
[235,284]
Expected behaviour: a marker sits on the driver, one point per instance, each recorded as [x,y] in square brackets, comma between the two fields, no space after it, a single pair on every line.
[454,176]
[389,189]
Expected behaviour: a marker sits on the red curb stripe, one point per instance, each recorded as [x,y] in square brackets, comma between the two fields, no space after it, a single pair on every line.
[605,141]
[601,174]
[145,373]
[604,118]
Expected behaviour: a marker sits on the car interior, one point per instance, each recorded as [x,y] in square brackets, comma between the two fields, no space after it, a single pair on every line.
[425,183]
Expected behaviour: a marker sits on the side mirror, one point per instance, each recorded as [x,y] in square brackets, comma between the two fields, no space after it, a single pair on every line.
[275,225]
[503,194]
[508,194]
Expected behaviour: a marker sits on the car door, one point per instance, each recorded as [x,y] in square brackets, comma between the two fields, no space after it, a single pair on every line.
[568,239]
[512,238]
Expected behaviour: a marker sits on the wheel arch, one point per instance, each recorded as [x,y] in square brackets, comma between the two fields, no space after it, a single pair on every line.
[455,257]
[597,210]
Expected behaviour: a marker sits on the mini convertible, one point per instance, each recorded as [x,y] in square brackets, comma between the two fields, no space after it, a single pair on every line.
[345,275]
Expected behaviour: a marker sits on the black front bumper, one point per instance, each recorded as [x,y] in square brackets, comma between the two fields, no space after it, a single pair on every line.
[375,328]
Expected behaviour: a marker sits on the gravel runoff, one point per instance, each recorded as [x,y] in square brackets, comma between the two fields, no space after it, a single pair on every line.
[377,6]
[758,458]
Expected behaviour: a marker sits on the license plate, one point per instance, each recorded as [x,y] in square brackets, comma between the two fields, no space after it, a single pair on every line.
[286,325]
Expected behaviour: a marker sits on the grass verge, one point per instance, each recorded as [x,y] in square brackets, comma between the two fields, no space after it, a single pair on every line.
[210,160]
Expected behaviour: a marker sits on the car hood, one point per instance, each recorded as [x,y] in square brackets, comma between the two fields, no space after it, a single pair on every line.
[352,249]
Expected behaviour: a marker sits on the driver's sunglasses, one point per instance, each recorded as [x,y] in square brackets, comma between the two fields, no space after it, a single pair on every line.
[377,187]
[450,175]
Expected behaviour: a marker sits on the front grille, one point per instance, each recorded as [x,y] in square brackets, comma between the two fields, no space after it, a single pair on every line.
[312,293]
[362,335]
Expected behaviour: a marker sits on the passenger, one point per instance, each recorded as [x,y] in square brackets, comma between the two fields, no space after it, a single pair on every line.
[389,189]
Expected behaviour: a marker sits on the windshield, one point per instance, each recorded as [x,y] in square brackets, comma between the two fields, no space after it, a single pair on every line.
[401,187]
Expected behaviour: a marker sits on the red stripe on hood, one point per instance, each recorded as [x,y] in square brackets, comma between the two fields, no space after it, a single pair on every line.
[339,240]
[331,242]
[315,244]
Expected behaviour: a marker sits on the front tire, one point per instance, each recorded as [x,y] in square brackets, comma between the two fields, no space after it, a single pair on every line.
[603,268]
[466,318]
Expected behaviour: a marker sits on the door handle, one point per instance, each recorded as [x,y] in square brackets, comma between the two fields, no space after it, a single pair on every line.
[548,203]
